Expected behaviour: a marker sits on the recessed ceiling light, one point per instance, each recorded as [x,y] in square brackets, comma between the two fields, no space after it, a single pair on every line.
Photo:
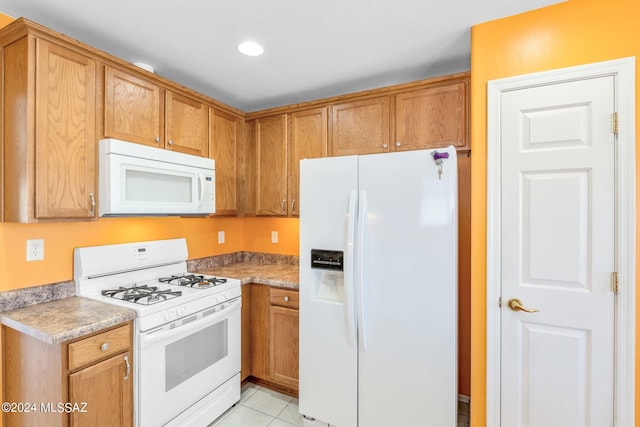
[251,48]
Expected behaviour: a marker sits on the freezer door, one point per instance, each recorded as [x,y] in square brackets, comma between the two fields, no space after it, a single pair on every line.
[408,298]
[328,355]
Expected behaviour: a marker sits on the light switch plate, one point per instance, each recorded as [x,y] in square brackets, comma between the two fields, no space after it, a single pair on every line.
[220,237]
[274,237]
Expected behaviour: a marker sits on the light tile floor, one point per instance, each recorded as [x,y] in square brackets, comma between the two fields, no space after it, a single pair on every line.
[261,407]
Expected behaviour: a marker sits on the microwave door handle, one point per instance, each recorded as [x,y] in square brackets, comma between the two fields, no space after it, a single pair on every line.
[200,189]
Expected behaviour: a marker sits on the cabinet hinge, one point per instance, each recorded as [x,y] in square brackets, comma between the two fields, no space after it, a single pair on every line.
[500,302]
[615,284]
[614,123]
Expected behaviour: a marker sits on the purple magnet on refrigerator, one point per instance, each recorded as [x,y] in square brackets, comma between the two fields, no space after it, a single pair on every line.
[439,156]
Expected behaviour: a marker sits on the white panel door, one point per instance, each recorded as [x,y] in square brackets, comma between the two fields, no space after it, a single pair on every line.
[408,318]
[558,254]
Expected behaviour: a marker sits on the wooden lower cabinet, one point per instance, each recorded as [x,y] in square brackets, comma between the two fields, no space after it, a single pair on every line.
[283,338]
[105,391]
[273,336]
[85,382]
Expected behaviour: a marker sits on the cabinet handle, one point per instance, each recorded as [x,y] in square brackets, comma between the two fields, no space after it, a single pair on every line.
[128,370]
[170,142]
[385,145]
[92,211]
[293,205]
[397,143]
[157,139]
[286,299]
[104,346]
[283,205]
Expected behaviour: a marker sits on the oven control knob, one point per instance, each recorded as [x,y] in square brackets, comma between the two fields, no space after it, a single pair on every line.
[228,295]
[220,298]
[180,311]
[168,315]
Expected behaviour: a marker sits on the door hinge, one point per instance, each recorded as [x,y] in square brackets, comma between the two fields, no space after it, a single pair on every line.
[615,284]
[615,123]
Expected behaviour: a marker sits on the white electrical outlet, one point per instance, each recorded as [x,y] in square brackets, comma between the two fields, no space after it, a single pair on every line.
[274,237]
[220,237]
[35,250]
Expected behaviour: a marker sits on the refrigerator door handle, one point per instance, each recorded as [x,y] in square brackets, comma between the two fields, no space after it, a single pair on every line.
[360,269]
[349,282]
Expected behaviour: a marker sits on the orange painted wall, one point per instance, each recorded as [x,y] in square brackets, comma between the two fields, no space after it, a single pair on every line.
[257,235]
[572,33]
[61,238]
[241,234]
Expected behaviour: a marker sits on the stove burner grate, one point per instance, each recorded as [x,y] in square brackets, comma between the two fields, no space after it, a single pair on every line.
[141,294]
[193,281]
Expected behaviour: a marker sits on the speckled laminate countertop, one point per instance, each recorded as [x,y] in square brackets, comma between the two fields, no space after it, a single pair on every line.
[277,274]
[51,312]
[65,319]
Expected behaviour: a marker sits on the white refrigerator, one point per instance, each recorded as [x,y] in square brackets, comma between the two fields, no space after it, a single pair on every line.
[378,290]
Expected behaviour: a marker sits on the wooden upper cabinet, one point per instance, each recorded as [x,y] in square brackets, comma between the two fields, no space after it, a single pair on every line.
[224,132]
[187,125]
[48,126]
[132,109]
[360,127]
[432,117]
[271,159]
[65,166]
[308,141]
[137,110]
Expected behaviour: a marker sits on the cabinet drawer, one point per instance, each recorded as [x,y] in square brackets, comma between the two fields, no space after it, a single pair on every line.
[284,298]
[96,347]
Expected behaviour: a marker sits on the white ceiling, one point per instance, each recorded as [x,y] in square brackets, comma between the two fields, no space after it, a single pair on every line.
[313,49]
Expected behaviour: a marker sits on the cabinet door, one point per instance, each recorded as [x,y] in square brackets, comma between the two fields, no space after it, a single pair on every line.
[271,158]
[187,125]
[107,390]
[65,161]
[284,346]
[259,331]
[308,141]
[132,110]
[433,117]
[223,148]
[360,127]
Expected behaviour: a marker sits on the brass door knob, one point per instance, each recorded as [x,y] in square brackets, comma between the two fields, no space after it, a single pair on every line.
[516,305]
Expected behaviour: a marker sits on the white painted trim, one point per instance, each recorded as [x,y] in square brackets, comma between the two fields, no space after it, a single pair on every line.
[623,71]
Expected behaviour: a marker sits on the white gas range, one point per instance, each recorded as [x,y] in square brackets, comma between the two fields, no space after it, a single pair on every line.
[187,328]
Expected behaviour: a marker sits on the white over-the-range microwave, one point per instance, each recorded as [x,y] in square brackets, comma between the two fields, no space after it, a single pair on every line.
[136,179]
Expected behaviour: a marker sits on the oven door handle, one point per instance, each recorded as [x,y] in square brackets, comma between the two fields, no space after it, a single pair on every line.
[147,339]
